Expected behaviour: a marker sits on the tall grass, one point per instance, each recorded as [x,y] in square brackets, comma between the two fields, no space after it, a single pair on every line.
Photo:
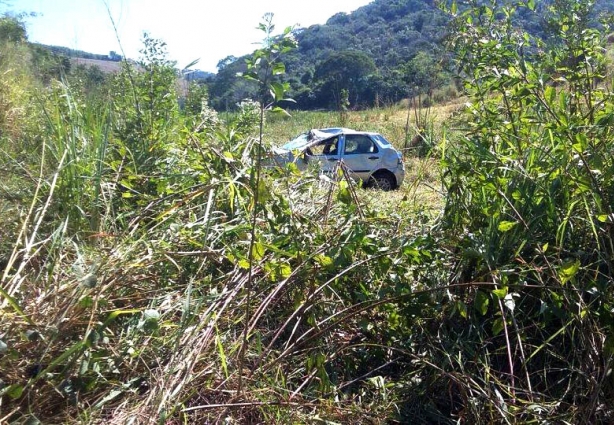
[140,285]
[124,292]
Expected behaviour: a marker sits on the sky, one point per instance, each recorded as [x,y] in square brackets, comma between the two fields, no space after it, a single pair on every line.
[208,30]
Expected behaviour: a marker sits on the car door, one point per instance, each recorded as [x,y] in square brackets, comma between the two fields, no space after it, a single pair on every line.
[324,154]
[361,155]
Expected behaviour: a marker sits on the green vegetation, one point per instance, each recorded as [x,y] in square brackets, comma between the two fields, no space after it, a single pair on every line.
[384,49]
[151,270]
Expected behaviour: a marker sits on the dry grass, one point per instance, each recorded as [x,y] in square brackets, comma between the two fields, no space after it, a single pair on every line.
[390,121]
[421,191]
[79,346]
[105,66]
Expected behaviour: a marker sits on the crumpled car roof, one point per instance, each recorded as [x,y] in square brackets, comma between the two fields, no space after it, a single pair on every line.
[314,136]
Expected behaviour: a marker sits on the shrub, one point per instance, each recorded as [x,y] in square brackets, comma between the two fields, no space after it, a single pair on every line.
[529,205]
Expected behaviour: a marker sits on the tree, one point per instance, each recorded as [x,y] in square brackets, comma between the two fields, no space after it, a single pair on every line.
[345,70]
[264,69]
[147,110]
[197,95]
[223,63]
[12,29]
[226,90]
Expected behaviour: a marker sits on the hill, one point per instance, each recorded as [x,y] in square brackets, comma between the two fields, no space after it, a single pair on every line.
[384,35]
[72,53]
[397,47]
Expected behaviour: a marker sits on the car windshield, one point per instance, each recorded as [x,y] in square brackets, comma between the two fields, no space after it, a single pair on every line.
[296,143]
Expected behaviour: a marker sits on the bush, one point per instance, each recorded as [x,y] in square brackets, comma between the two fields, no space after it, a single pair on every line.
[529,206]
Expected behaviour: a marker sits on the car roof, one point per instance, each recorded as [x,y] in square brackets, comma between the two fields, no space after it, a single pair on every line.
[344,130]
[316,135]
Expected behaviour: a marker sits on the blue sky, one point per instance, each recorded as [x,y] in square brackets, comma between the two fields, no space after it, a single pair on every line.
[193,29]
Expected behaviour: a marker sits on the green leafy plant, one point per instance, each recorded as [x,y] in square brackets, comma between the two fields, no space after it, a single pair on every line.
[529,190]
[263,68]
[146,108]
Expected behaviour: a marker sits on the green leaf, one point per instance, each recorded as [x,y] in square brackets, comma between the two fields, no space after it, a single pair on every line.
[481,302]
[258,251]
[505,226]
[278,110]
[277,91]
[500,293]
[151,314]
[568,270]
[279,68]
[531,5]
[284,270]
[293,168]
[323,260]
[497,326]
[220,350]
[604,218]
[112,395]
[115,314]
[344,195]
[15,391]
[264,194]
[549,94]
[461,307]
[248,77]
[151,317]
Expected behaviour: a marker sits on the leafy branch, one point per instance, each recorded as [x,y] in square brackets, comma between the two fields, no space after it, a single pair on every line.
[264,68]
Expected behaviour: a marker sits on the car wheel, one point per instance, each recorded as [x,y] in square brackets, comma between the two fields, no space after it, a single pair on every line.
[383,181]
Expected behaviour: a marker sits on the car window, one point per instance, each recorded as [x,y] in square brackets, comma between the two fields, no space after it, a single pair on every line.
[382,140]
[359,144]
[325,147]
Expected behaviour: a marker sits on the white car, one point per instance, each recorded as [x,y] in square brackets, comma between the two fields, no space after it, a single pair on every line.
[368,156]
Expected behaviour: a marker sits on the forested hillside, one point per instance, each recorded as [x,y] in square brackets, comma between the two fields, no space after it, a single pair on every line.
[381,53]
[367,51]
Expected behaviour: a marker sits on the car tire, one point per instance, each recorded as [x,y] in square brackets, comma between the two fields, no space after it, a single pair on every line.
[383,181]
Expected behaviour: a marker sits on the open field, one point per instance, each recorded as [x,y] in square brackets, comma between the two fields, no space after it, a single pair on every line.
[422,189]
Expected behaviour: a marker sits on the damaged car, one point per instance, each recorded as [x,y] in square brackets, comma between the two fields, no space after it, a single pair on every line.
[368,156]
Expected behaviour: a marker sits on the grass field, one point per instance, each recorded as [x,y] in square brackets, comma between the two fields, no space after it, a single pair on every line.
[54,267]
